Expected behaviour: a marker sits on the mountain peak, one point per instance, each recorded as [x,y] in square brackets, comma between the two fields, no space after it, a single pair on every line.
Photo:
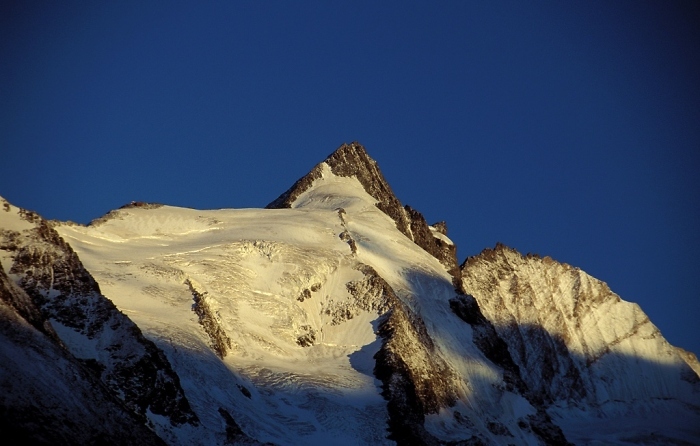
[319,324]
[348,160]
[353,150]
[352,160]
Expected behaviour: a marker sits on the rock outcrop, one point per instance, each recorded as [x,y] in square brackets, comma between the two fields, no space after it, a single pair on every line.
[48,396]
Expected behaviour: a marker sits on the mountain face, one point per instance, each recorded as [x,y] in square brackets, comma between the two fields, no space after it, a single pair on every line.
[61,299]
[582,350]
[334,316]
[352,161]
[48,395]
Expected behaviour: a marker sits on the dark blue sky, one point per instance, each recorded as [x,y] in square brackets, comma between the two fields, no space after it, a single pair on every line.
[569,129]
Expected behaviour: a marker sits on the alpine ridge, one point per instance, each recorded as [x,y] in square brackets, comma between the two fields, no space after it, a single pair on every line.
[335,315]
[351,160]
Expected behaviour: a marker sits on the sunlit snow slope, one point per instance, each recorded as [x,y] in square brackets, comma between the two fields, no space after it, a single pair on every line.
[254,310]
[296,350]
[271,283]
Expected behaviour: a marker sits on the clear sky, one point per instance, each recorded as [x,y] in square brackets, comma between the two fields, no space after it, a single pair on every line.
[569,129]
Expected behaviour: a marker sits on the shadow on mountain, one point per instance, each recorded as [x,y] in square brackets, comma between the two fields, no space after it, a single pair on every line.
[283,406]
[363,359]
[646,393]
[47,396]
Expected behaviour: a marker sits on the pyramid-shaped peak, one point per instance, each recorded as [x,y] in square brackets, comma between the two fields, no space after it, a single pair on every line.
[354,149]
[353,154]
[348,160]
[352,160]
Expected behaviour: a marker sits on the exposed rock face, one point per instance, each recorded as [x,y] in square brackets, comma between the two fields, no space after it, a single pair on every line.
[445,252]
[574,342]
[25,307]
[352,160]
[66,303]
[371,294]
[692,360]
[220,342]
[46,395]
[415,382]
[440,227]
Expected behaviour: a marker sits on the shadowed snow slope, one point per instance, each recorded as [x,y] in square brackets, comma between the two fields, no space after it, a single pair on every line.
[337,316]
[57,400]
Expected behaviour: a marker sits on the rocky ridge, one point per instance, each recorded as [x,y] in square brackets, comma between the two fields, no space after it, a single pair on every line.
[62,402]
[575,343]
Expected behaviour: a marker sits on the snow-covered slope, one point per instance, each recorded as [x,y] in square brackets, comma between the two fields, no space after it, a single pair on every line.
[249,306]
[338,316]
[276,315]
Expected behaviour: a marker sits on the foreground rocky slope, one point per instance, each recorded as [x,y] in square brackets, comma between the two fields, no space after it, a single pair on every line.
[47,395]
[62,300]
[337,315]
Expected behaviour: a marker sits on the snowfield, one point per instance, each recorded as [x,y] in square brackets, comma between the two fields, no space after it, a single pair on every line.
[253,266]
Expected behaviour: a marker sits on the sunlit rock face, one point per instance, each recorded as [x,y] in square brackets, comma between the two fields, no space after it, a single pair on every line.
[578,346]
[335,316]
